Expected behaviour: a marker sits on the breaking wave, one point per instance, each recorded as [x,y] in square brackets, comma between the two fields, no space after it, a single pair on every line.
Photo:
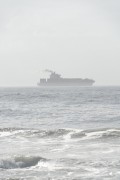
[62,133]
[21,162]
[36,133]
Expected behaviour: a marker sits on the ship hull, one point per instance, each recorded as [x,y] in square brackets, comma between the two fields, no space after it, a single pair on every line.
[65,84]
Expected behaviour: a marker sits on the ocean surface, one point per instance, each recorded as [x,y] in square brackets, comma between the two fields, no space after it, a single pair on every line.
[60,133]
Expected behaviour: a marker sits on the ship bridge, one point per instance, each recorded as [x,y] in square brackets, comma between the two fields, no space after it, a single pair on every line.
[55,76]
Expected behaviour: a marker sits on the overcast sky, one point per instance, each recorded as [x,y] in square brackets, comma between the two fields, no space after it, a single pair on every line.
[77,38]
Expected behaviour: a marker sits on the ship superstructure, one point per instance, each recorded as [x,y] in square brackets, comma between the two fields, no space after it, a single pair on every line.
[56,80]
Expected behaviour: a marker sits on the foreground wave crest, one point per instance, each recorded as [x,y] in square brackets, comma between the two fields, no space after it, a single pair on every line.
[20,162]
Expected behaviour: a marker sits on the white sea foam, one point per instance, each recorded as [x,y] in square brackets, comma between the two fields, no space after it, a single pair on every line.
[47,165]
[10,133]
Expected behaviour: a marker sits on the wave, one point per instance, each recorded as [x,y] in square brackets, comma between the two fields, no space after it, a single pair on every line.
[66,134]
[21,162]
[97,134]
[10,131]
[34,133]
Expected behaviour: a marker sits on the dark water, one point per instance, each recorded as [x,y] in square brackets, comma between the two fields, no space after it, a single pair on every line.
[60,133]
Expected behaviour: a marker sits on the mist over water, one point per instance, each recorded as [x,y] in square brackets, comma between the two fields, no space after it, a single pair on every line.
[60,133]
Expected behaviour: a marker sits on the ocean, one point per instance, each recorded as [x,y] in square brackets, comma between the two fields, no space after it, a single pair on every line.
[60,133]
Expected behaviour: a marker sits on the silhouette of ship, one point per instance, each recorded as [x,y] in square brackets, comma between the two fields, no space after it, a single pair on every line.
[56,80]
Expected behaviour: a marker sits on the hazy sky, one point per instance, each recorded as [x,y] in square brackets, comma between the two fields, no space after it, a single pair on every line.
[77,38]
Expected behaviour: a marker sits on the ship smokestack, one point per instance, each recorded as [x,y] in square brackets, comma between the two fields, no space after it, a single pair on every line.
[49,71]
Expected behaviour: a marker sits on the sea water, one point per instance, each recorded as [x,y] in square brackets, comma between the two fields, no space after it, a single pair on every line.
[60,133]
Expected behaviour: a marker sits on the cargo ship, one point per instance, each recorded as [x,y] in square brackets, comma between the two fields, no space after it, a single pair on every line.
[56,80]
